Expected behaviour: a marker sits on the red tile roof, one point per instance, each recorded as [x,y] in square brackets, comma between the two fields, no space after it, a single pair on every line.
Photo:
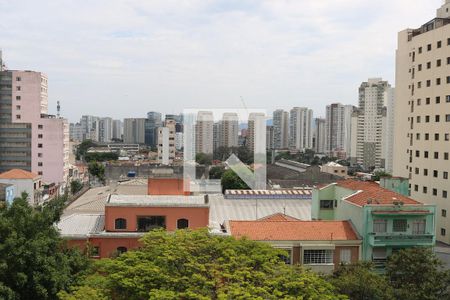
[278,217]
[372,193]
[18,174]
[263,230]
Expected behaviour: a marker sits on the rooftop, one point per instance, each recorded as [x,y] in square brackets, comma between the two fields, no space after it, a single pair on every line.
[80,225]
[18,174]
[152,200]
[293,230]
[371,193]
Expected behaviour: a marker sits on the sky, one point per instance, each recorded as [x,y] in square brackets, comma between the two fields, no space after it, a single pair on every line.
[124,58]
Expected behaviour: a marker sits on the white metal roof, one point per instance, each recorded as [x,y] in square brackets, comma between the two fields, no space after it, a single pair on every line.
[80,225]
[150,200]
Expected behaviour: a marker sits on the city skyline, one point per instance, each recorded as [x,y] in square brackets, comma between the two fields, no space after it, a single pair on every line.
[214,53]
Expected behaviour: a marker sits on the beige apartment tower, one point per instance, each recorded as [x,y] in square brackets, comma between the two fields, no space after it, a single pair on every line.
[204,132]
[229,130]
[422,115]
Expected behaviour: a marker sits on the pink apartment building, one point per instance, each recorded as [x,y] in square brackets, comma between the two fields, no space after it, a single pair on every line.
[30,139]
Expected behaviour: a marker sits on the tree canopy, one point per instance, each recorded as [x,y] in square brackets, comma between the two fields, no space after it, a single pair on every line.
[231,181]
[196,265]
[34,262]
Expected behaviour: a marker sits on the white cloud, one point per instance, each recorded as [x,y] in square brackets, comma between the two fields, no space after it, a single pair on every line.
[123,58]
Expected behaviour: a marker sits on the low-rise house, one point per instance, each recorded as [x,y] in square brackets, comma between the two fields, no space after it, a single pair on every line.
[319,245]
[128,217]
[386,221]
[335,169]
[24,181]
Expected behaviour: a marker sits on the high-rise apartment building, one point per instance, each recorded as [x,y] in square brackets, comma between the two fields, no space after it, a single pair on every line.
[370,124]
[319,135]
[300,128]
[154,121]
[256,135]
[117,129]
[91,127]
[30,138]
[229,130]
[338,129]
[269,137]
[134,130]
[422,115]
[204,132]
[166,142]
[76,132]
[281,129]
[105,130]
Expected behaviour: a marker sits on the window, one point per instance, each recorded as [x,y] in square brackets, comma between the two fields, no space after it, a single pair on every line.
[379,226]
[182,223]
[445,175]
[438,81]
[419,84]
[438,63]
[419,227]
[416,188]
[429,47]
[420,50]
[40,126]
[18,98]
[443,231]
[425,153]
[18,88]
[447,98]
[418,119]
[427,119]
[39,145]
[417,153]
[121,250]
[17,107]
[445,155]
[40,164]
[436,155]
[436,136]
[18,79]
[399,225]
[438,100]
[425,172]
[40,136]
[425,190]
[419,67]
[434,192]
[39,154]
[439,44]
[326,204]
[317,257]
[18,117]
[447,118]
[429,65]
[448,79]
[435,173]
[428,83]
[95,251]
[437,118]
[427,100]
[345,256]
[444,194]
[447,137]
[444,213]
[120,223]
[151,222]
[427,136]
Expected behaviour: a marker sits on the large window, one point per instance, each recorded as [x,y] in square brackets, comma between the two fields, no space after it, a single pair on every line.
[380,226]
[311,257]
[399,225]
[182,223]
[95,251]
[419,227]
[121,250]
[151,222]
[120,223]
[346,256]
[326,204]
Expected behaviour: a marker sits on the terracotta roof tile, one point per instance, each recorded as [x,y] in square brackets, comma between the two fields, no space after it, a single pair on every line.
[372,193]
[263,230]
[18,174]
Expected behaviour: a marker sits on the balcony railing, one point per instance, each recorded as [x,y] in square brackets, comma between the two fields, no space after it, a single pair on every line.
[400,239]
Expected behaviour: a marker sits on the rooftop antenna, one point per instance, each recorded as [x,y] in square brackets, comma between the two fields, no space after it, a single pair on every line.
[58,108]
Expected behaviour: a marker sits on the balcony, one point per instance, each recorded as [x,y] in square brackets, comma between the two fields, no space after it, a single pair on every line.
[395,239]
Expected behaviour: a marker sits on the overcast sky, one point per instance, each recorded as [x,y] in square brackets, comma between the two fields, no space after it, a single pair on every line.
[124,58]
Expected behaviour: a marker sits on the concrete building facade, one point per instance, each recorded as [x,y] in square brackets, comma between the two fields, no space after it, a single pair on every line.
[229,130]
[300,128]
[422,114]
[134,130]
[338,129]
[166,142]
[281,129]
[204,132]
[319,135]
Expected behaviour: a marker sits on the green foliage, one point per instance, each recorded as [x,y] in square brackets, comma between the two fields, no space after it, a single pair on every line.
[243,153]
[231,181]
[196,265]
[106,156]
[97,169]
[203,159]
[75,186]
[216,172]
[416,273]
[83,148]
[34,261]
[378,174]
[359,281]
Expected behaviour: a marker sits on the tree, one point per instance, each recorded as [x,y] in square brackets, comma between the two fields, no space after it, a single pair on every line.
[359,282]
[416,273]
[83,147]
[378,174]
[97,169]
[216,172]
[75,186]
[34,261]
[203,159]
[94,156]
[231,181]
[196,265]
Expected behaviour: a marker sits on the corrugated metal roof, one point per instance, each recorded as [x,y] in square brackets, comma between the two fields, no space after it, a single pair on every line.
[151,200]
[80,225]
